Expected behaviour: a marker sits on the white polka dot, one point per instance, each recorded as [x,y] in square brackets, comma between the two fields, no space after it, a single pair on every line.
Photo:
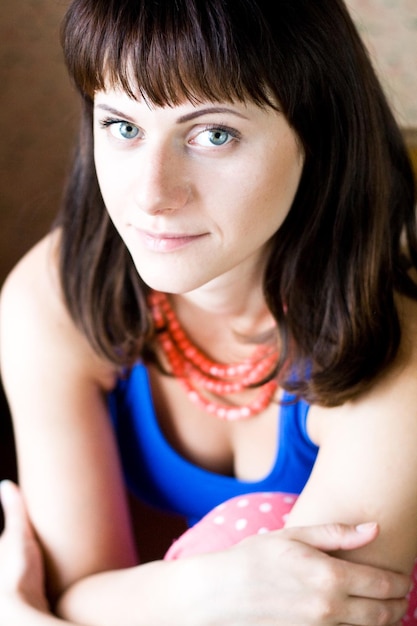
[289,499]
[219,520]
[220,507]
[263,531]
[285,517]
[265,507]
[241,523]
[242,503]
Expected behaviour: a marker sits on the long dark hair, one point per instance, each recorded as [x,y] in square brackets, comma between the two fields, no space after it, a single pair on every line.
[350,237]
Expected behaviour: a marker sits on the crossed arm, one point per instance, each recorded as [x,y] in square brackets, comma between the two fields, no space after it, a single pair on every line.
[71,478]
[22,596]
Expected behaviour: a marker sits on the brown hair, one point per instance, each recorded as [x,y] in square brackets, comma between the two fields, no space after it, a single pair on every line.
[337,260]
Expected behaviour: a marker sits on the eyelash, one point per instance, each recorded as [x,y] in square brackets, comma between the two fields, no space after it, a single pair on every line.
[223,128]
[108,121]
[111,121]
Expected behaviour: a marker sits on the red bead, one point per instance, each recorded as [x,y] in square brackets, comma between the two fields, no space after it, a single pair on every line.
[194,369]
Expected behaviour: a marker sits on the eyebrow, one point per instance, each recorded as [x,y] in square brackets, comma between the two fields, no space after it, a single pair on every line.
[199,112]
[183,118]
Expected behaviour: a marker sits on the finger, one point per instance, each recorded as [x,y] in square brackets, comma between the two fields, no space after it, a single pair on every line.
[366,581]
[363,581]
[331,537]
[15,515]
[363,612]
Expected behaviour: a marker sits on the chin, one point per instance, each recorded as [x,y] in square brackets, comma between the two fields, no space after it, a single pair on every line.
[171,274]
[169,282]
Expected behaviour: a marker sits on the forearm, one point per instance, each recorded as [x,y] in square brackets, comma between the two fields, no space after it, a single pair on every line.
[16,611]
[157,593]
[270,579]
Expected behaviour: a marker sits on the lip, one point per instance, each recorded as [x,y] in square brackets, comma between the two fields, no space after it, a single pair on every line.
[166,242]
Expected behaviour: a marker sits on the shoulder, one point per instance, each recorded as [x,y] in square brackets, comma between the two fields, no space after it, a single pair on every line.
[56,389]
[392,397]
[366,468]
[35,325]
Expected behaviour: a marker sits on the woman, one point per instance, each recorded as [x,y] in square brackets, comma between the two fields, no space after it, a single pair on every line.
[230,290]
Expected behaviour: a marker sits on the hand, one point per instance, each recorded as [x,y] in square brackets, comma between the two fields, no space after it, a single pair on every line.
[21,564]
[309,586]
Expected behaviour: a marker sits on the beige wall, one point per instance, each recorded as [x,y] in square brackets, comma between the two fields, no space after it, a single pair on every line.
[38,114]
[389,28]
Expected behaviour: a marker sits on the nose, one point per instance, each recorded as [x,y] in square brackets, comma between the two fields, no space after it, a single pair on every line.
[161,184]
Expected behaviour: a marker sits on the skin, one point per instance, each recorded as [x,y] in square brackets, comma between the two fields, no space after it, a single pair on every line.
[219,203]
[180,189]
[23,599]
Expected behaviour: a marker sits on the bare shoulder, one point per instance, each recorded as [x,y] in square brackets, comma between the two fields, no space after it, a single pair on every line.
[367,466]
[393,395]
[30,296]
[57,391]
[34,322]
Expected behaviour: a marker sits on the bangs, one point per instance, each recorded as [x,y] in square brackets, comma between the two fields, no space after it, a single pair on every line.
[171,51]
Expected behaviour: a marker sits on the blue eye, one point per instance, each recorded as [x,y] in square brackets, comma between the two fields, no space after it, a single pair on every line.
[218,137]
[215,137]
[127,130]
[120,129]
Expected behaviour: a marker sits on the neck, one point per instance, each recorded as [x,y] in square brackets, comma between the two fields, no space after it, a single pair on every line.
[235,300]
[241,320]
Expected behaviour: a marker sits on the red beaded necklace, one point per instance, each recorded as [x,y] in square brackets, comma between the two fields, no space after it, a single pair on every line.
[203,378]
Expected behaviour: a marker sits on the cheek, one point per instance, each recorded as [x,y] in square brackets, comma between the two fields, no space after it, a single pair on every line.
[110,184]
[101,171]
[283,182]
[271,197]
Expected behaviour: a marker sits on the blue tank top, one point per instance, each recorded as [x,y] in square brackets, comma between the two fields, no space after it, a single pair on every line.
[160,476]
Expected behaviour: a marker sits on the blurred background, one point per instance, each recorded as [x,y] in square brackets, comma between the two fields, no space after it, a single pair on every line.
[38,120]
[39,114]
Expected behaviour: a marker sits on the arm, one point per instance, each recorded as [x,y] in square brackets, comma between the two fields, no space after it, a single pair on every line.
[22,598]
[67,459]
[367,465]
[70,475]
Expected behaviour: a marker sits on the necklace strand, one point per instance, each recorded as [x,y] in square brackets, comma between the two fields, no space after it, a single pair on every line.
[197,373]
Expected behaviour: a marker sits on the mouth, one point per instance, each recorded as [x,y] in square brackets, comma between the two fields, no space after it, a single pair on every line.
[167,242]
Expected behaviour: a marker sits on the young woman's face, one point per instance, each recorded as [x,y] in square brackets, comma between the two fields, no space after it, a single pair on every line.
[195,191]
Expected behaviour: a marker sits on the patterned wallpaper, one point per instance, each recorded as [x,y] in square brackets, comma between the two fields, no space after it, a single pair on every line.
[389,28]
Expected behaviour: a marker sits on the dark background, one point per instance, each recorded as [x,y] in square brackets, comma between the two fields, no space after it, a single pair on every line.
[38,120]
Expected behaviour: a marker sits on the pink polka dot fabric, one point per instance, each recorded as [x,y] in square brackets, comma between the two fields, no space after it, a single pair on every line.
[232,521]
[242,516]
